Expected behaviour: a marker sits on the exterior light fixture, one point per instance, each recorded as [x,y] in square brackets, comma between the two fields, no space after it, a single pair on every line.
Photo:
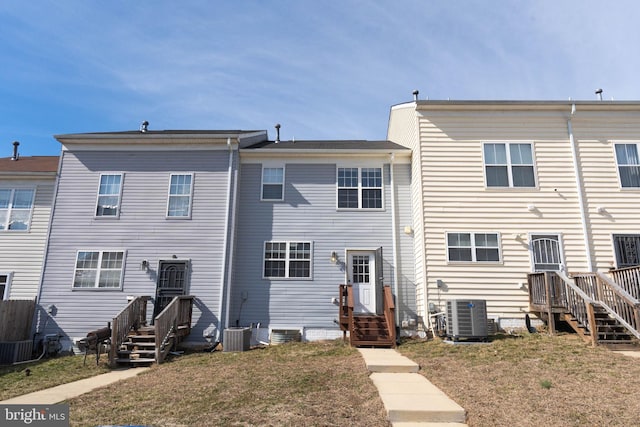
[334,257]
[144,265]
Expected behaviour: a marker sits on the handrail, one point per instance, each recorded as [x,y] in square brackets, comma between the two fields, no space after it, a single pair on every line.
[175,315]
[346,306]
[389,313]
[579,304]
[132,316]
[628,279]
[619,303]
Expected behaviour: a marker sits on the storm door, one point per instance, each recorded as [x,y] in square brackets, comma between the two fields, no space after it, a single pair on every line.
[546,253]
[627,248]
[172,282]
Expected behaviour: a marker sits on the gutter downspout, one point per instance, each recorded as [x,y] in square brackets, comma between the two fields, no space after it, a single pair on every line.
[223,271]
[576,168]
[394,235]
[233,238]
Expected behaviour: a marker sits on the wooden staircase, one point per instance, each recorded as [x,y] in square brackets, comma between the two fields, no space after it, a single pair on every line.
[597,308]
[139,349]
[367,330]
[133,343]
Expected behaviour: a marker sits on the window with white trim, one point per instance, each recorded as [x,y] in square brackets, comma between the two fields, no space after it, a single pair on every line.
[272,183]
[628,165]
[473,247]
[180,191]
[359,188]
[5,282]
[287,260]
[509,165]
[109,192]
[16,205]
[98,269]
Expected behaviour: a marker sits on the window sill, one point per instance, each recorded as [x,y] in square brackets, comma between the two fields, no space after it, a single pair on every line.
[512,188]
[360,209]
[75,289]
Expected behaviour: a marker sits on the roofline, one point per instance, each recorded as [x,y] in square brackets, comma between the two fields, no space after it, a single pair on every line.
[178,136]
[517,104]
[27,174]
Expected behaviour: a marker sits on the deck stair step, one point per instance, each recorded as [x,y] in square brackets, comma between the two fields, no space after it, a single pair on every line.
[370,330]
[139,347]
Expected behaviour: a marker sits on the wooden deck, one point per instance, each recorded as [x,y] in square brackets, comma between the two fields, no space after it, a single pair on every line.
[367,330]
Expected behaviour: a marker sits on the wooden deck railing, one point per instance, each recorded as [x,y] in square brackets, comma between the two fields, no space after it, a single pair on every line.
[172,324]
[389,309]
[346,305]
[628,279]
[132,316]
[619,303]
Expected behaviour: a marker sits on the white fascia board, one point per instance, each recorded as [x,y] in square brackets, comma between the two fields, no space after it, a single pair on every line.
[323,156]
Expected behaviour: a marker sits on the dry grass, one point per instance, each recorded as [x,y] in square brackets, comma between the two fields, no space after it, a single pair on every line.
[534,380]
[313,384]
[47,373]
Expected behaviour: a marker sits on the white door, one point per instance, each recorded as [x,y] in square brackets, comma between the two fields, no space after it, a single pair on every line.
[362,276]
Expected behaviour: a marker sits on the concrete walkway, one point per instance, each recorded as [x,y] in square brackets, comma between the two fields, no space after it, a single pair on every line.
[67,391]
[409,398]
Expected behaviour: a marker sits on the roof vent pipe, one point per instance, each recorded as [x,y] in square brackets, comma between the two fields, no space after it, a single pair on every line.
[15,150]
[144,126]
[415,95]
[599,93]
[277,133]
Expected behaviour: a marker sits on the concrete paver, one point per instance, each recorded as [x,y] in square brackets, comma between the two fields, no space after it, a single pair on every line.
[409,398]
[67,391]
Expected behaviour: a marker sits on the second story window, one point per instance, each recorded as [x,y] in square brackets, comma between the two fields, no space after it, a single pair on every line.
[509,165]
[272,183]
[15,209]
[109,195]
[628,165]
[359,188]
[180,188]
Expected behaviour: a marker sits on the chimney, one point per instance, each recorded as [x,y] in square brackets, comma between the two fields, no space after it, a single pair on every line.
[277,133]
[415,95]
[144,126]
[15,151]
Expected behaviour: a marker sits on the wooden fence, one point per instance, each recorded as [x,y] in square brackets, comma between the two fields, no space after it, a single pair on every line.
[16,317]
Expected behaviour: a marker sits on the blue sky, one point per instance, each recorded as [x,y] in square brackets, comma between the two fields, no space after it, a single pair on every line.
[323,69]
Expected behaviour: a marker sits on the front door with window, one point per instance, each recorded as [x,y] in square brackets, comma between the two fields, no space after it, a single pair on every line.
[362,271]
[546,253]
[172,282]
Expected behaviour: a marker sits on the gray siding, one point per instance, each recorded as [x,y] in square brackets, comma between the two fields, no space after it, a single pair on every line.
[142,230]
[21,253]
[309,213]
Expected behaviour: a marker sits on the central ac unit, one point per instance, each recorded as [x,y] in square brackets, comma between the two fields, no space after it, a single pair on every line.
[467,319]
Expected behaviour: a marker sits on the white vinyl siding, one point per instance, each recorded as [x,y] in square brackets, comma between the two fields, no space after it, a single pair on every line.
[509,165]
[109,192]
[98,269]
[272,183]
[287,260]
[473,247]
[359,188]
[15,209]
[180,192]
[628,165]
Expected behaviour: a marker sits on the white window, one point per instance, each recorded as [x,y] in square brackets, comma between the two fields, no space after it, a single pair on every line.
[5,283]
[473,247]
[109,195]
[180,190]
[509,165]
[98,269]
[272,183]
[359,188]
[287,259]
[628,165]
[15,209]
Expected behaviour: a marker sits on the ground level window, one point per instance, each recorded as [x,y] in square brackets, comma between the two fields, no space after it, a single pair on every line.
[98,269]
[473,247]
[287,259]
[4,286]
